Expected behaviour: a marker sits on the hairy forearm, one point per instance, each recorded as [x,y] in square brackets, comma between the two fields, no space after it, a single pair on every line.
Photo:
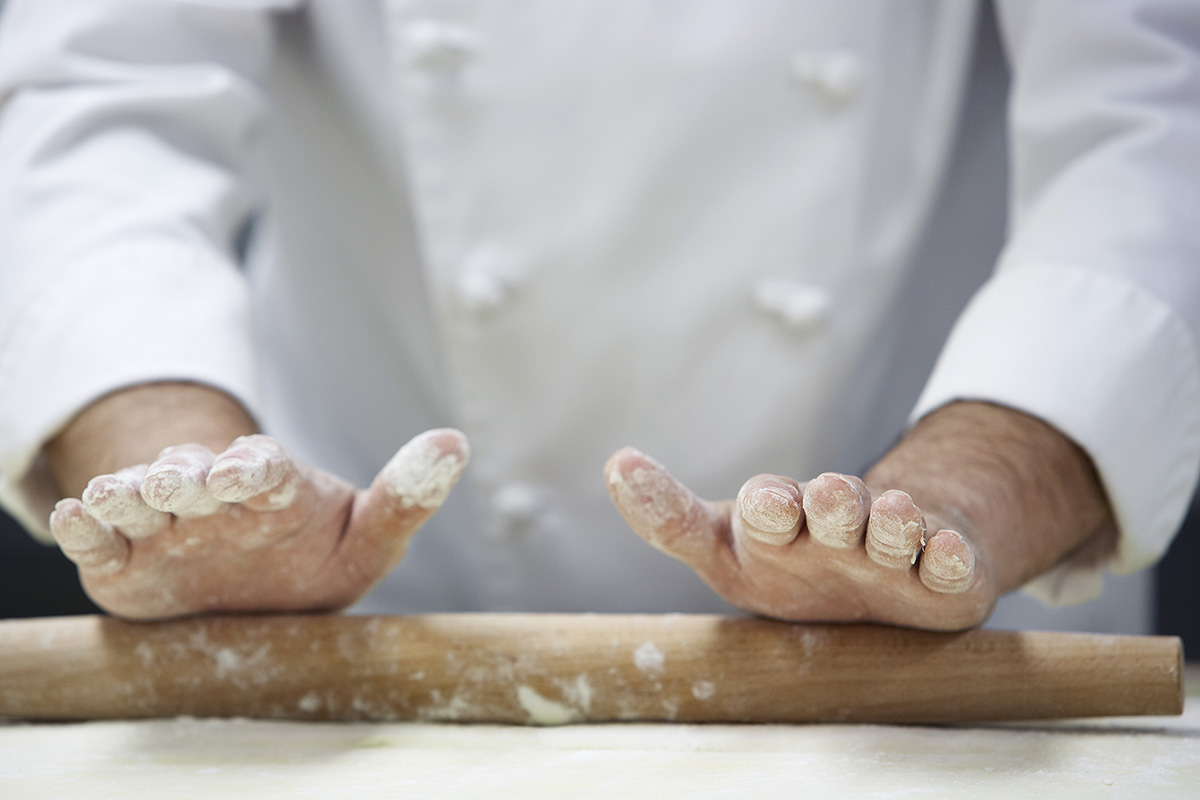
[1025,493]
[132,425]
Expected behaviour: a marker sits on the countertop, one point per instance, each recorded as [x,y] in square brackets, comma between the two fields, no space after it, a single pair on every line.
[1153,757]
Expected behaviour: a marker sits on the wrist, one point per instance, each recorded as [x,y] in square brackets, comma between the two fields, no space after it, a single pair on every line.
[130,426]
[1019,490]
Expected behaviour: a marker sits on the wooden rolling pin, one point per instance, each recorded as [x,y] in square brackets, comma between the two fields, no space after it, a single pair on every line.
[553,669]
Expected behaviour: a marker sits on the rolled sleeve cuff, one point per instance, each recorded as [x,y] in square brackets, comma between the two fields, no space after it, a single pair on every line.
[130,314]
[1111,366]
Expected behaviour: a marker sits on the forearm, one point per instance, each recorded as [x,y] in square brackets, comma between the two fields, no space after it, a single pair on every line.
[131,426]
[1026,494]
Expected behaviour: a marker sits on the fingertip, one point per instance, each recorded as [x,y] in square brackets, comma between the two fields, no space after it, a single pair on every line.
[424,470]
[116,500]
[176,482]
[171,487]
[66,517]
[647,494]
[102,492]
[947,563]
[625,473]
[836,508]
[624,461]
[895,530]
[232,481]
[64,508]
[452,439]
[771,509]
[90,543]
[251,466]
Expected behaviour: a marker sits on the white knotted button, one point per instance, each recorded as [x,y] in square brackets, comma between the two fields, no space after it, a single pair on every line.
[436,45]
[513,508]
[836,75]
[486,282]
[799,306]
[480,292]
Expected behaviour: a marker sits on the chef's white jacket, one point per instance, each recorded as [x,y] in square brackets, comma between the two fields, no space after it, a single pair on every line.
[733,234]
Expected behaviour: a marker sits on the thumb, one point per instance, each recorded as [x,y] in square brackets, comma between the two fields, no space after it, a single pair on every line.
[667,514]
[405,493]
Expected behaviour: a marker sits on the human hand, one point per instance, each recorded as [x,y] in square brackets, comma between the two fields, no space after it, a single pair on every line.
[250,528]
[822,551]
[1005,496]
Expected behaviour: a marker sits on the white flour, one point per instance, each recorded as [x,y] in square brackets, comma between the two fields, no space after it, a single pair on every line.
[422,473]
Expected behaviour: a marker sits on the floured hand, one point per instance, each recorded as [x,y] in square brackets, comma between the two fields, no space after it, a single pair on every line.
[1005,496]
[249,529]
[824,551]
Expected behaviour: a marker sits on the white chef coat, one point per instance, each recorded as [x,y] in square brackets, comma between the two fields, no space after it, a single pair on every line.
[734,235]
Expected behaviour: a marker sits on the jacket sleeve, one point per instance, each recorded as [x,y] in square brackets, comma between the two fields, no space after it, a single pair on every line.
[125,130]
[1091,319]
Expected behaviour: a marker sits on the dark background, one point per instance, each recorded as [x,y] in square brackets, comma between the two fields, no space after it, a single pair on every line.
[1177,603]
[36,580]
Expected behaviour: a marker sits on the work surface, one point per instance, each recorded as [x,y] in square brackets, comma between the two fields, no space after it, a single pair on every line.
[1156,757]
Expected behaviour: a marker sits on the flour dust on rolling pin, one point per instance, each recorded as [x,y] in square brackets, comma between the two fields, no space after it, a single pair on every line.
[564,668]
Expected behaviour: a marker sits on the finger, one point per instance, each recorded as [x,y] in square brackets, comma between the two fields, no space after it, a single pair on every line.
[257,472]
[410,487]
[664,512]
[836,507]
[175,482]
[117,500]
[947,563]
[895,531]
[770,508]
[94,545]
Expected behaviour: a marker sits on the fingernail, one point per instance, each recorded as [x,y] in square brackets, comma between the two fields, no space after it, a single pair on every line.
[770,508]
